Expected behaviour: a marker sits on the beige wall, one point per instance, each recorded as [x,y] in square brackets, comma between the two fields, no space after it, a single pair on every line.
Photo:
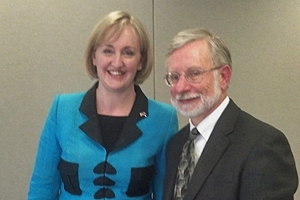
[42,44]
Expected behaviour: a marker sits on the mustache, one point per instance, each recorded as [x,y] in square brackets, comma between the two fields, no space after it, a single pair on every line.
[187,96]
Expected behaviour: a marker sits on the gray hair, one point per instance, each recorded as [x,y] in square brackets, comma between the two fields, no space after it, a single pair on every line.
[220,53]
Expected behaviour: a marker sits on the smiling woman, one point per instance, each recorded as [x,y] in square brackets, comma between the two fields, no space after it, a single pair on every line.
[117,62]
[109,29]
[89,144]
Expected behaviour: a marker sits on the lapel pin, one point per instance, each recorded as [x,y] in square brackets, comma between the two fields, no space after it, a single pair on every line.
[143,114]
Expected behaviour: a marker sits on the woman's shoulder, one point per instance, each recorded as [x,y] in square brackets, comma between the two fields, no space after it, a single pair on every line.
[72,95]
[69,98]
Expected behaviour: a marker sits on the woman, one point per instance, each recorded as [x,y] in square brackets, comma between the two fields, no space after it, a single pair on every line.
[108,142]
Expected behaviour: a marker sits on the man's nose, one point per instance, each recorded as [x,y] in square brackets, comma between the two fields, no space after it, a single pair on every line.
[182,84]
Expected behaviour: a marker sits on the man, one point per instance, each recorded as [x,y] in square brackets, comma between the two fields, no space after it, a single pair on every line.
[237,156]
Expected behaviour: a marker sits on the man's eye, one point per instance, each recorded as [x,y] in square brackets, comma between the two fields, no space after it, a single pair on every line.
[195,73]
[174,77]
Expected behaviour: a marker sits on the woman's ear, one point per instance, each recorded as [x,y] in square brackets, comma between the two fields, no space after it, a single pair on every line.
[94,58]
[140,66]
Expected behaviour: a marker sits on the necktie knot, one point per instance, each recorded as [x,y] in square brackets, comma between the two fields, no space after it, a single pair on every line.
[193,134]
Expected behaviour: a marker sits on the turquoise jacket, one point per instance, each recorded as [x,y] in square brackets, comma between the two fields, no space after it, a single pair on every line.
[72,164]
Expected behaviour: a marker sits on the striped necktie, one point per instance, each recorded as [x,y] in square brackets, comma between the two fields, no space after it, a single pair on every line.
[186,166]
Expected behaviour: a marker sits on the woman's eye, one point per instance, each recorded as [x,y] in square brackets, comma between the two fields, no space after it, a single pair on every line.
[128,53]
[107,51]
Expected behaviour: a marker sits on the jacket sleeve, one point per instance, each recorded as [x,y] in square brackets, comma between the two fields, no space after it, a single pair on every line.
[45,180]
[171,129]
[270,171]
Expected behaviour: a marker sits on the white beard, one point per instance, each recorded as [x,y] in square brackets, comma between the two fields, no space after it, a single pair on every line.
[205,103]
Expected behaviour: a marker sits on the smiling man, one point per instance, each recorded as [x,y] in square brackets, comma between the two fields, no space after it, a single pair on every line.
[233,155]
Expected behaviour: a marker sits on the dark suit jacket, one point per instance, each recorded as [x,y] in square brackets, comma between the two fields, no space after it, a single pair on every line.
[244,159]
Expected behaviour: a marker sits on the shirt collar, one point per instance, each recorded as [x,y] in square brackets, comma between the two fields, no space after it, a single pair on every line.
[206,126]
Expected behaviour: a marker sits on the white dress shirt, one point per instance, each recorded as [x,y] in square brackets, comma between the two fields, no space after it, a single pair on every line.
[206,126]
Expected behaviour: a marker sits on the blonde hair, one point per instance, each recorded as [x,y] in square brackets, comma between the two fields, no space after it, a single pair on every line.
[118,20]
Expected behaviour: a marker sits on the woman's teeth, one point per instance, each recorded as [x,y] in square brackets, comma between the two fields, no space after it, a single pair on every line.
[116,73]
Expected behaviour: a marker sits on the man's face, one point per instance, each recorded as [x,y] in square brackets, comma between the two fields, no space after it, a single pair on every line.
[194,100]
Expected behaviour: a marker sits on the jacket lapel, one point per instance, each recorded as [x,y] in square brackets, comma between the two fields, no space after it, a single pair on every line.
[139,111]
[91,126]
[215,147]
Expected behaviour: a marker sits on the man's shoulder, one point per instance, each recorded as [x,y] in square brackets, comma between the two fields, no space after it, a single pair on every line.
[246,120]
[255,123]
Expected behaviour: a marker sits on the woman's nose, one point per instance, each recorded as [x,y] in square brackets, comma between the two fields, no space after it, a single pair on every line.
[117,60]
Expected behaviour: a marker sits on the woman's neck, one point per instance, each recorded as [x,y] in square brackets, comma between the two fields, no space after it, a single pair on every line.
[114,103]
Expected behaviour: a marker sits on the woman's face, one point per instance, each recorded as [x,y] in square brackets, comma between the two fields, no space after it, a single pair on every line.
[118,60]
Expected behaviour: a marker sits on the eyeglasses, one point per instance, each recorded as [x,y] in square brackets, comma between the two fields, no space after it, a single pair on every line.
[192,75]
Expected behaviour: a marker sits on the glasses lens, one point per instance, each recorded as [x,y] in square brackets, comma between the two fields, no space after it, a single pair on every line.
[171,78]
[194,75]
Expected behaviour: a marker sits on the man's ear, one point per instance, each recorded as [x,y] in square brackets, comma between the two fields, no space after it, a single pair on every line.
[225,73]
